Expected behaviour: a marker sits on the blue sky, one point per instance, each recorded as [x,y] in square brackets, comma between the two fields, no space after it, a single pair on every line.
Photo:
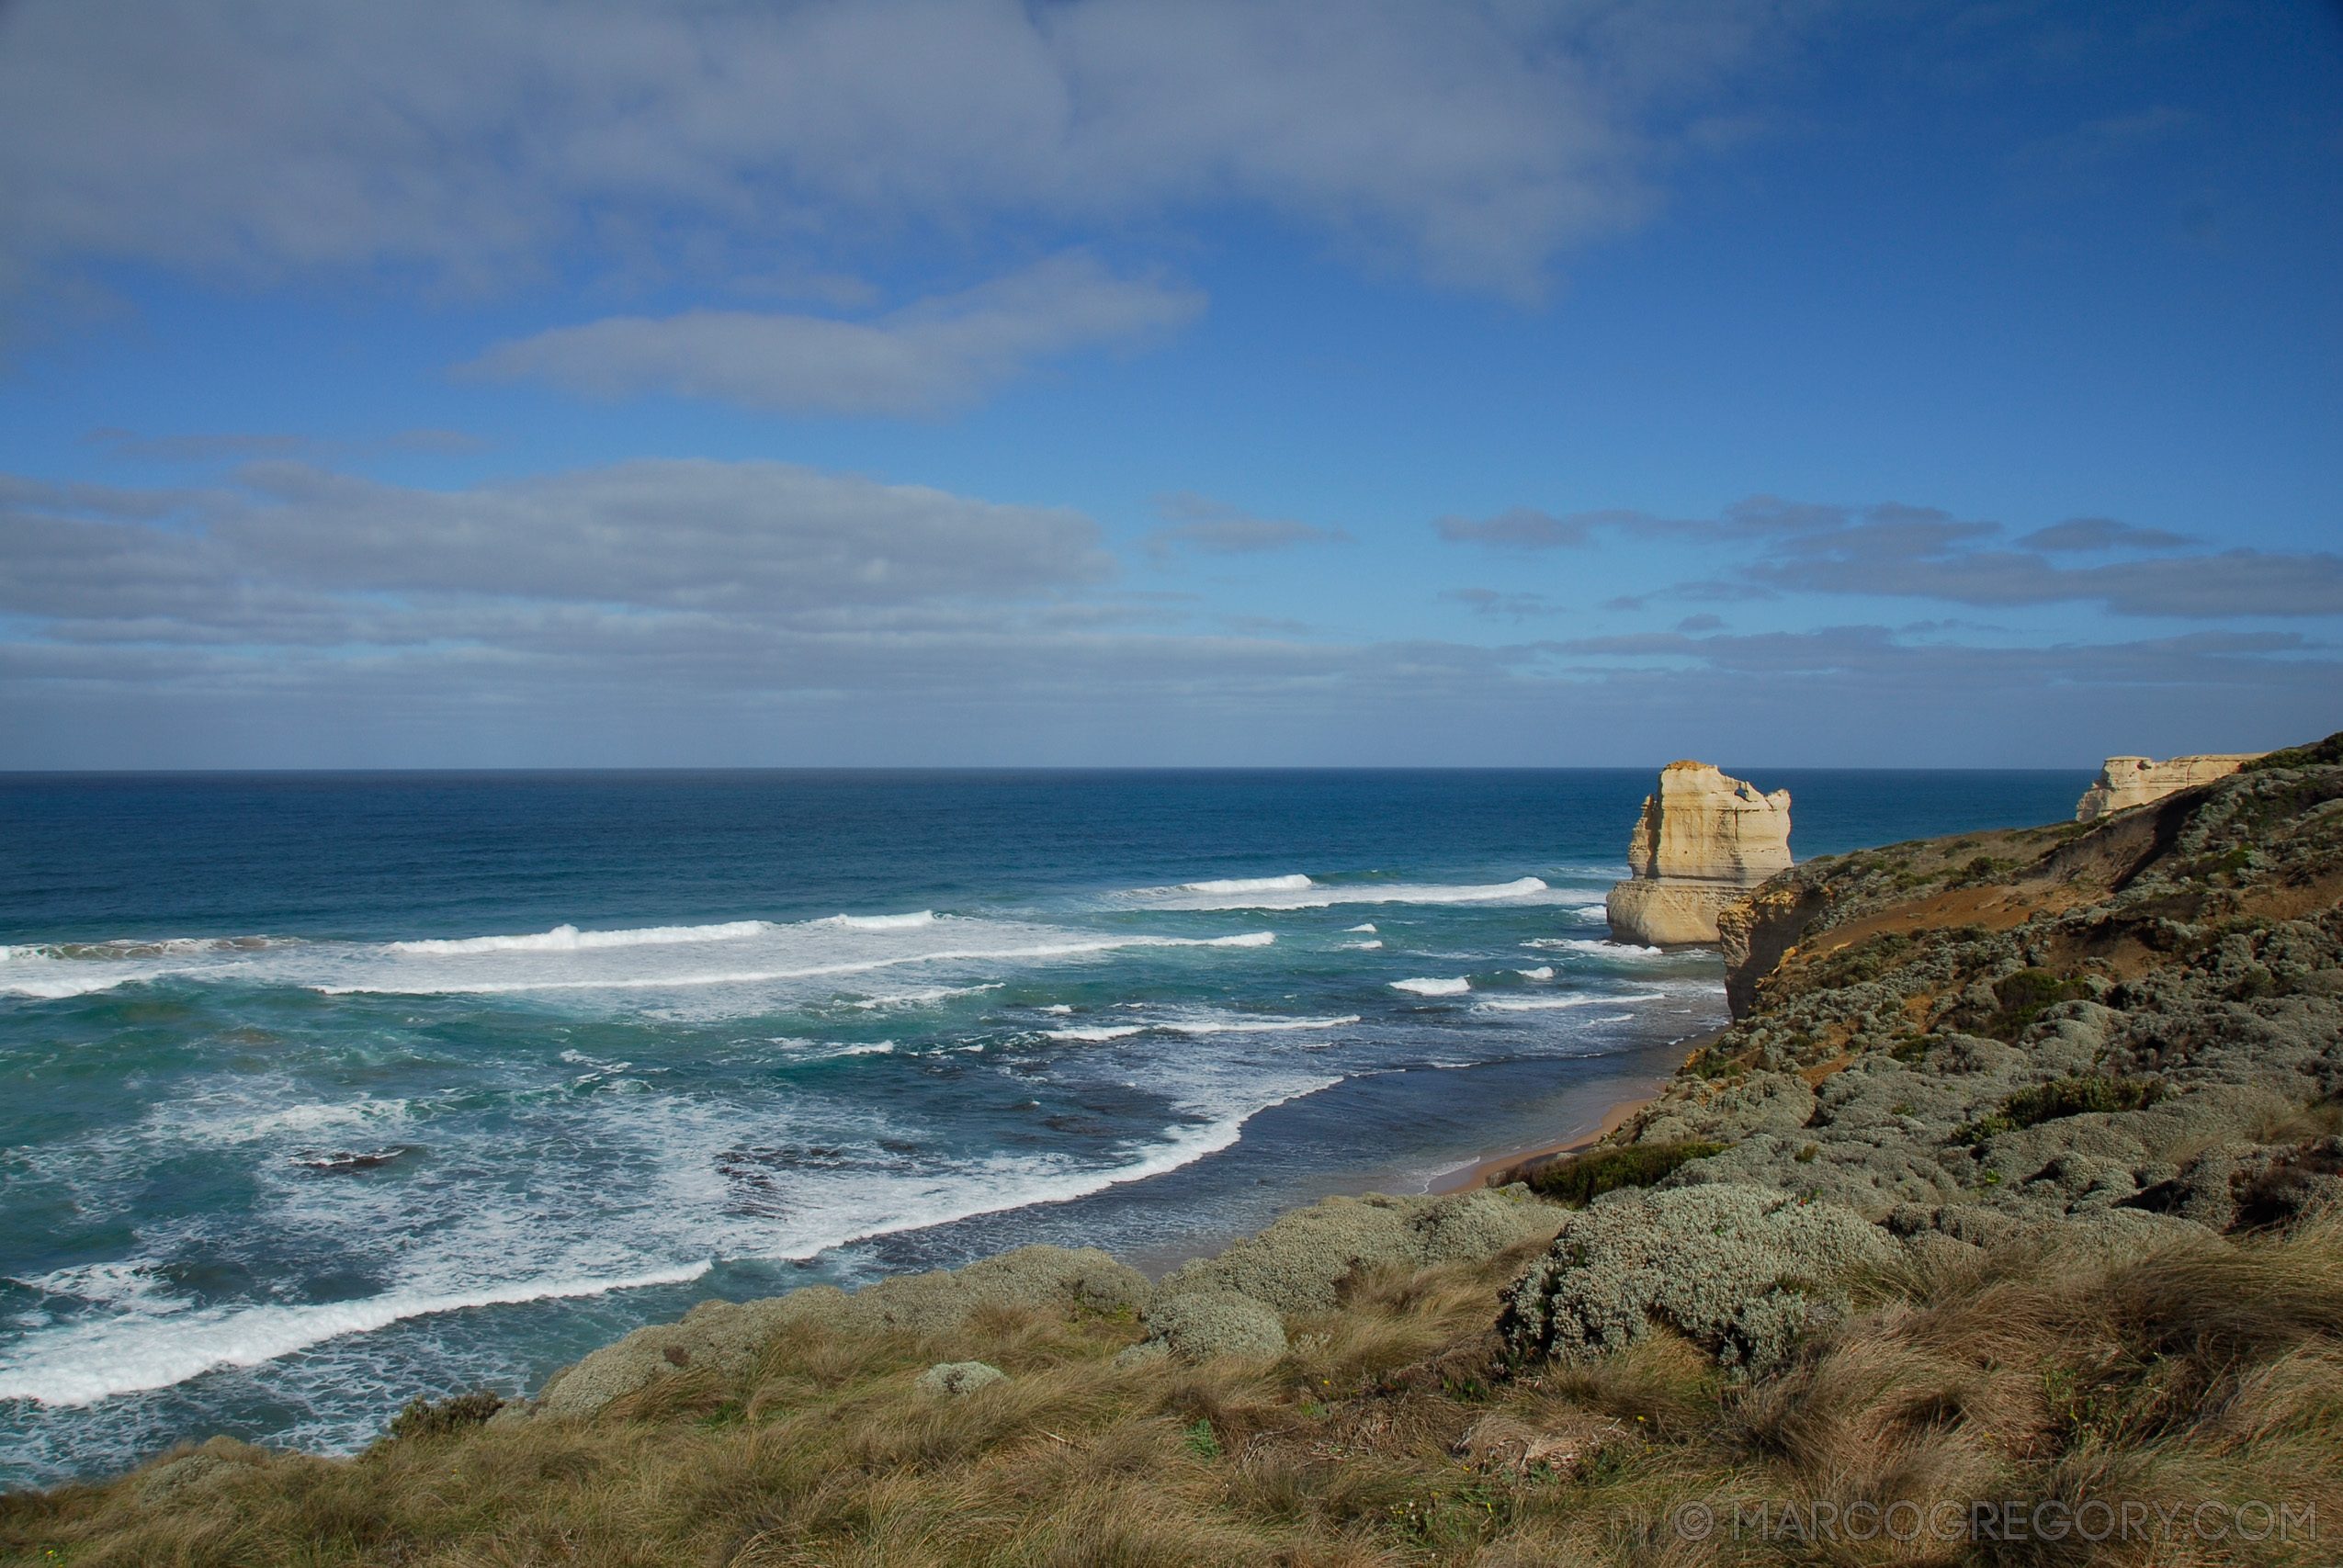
[1299,382]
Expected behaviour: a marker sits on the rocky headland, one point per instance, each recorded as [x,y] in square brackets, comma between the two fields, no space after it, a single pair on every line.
[2126,782]
[2016,1178]
[1702,840]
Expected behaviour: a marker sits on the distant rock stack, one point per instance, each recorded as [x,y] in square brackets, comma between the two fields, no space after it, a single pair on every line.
[2126,782]
[1703,840]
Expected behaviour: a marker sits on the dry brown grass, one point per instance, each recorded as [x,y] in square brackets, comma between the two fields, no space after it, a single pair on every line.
[1392,1434]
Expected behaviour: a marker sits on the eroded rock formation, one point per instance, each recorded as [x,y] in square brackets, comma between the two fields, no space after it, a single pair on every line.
[1703,840]
[2126,782]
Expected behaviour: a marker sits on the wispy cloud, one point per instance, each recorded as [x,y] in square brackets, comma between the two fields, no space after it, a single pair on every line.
[2084,535]
[243,447]
[1494,605]
[1517,528]
[938,354]
[1199,523]
[1765,547]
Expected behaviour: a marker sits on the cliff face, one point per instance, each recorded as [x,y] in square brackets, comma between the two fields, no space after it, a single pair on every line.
[1702,841]
[2126,782]
[2134,1022]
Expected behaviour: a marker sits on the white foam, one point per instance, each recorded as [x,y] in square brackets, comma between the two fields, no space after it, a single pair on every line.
[57,987]
[919,999]
[1543,972]
[1544,1004]
[1433,987]
[1362,946]
[214,1119]
[1317,895]
[1249,885]
[81,1363]
[569,939]
[1599,949]
[912,921]
[1368,928]
[1256,1025]
[1060,1009]
[884,1047]
[457,985]
[1103,1032]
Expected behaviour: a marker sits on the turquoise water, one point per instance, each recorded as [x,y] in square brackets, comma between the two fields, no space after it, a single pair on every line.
[322,1091]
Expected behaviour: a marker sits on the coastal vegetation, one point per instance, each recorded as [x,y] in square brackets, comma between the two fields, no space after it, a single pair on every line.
[2002,1226]
[1392,1433]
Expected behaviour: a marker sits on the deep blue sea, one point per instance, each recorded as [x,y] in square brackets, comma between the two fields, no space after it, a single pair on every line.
[321,1091]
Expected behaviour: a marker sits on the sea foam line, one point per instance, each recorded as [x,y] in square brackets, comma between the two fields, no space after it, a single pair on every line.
[1214,1026]
[1544,1004]
[749,978]
[83,1363]
[569,939]
[1302,893]
[1249,885]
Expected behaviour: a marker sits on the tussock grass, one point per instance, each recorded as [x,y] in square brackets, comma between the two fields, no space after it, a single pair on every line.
[1393,1433]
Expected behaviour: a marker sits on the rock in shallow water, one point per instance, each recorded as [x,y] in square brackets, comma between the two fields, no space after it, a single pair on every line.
[1703,840]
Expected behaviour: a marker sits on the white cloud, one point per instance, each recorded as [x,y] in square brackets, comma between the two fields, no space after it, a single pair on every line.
[936,355]
[475,142]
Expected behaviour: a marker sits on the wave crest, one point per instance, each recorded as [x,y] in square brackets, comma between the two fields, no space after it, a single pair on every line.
[569,939]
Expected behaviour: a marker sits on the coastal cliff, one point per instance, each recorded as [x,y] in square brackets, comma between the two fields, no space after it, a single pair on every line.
[2131,1020]
[1702,838]
[2126,782]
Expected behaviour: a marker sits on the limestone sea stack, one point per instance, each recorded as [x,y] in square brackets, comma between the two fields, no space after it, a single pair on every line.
[1702,840]
[2126,782]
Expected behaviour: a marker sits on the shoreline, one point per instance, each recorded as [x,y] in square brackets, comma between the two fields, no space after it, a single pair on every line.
[1497,1171]
[1517,1163]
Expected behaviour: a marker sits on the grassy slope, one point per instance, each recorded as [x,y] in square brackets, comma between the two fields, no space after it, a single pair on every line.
[2204,1370]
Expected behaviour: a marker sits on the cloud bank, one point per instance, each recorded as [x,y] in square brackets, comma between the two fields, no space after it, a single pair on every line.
[666,611]
[472,144]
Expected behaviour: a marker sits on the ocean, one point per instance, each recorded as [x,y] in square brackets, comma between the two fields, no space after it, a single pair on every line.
[322,1091]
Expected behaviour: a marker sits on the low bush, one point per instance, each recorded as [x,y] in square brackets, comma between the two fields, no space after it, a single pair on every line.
[2023,996]
[1581,1181]
[2066,1097]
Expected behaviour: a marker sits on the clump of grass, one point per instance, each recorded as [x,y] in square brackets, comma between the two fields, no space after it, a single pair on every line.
[1392,1435]
[420,1419]
[1580,1180]
[2066,1097]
